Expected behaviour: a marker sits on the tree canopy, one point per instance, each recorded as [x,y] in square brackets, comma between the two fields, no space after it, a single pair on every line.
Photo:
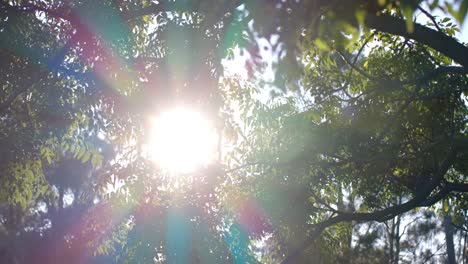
[355,149]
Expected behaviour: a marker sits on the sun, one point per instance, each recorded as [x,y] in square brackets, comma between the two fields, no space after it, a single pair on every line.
[182,140]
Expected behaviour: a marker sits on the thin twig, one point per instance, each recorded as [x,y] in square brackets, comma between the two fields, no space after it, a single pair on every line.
[431,17]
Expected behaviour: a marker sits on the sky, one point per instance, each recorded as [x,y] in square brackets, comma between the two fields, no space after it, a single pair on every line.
[462,35]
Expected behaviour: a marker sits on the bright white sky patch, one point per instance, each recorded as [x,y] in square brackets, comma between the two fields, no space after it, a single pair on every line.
[182,140]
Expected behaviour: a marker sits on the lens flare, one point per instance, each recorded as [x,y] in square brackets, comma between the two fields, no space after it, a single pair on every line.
[182,140]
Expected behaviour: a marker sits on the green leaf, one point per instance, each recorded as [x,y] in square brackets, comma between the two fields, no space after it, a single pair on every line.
[321,44]
[96,160]
[22,203]
[29,173]
[77,151]
[86,157]
[461,14]
[434,4]
[360,16]
[43,189]
[81,153]
[446,206]
[451,10]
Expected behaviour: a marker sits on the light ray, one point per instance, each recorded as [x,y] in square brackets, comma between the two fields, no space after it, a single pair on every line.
[182,140]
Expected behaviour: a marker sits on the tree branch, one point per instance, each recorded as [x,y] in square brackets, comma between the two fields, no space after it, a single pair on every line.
[449,187]
[381,215]
[426,77]
[457,187]
[439,41]
[436,72]
[431,17]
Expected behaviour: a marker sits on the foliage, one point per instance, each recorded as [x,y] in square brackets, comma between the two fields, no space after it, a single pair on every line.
[366,123]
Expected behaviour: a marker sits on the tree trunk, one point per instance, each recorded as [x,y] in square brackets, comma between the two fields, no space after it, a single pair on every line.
[60,200]
[464,255]
[397,239]
[57,232]
[347,245]
[391,236]
[449,239]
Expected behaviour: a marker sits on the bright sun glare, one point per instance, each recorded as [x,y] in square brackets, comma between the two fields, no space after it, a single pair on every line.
[182,140]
